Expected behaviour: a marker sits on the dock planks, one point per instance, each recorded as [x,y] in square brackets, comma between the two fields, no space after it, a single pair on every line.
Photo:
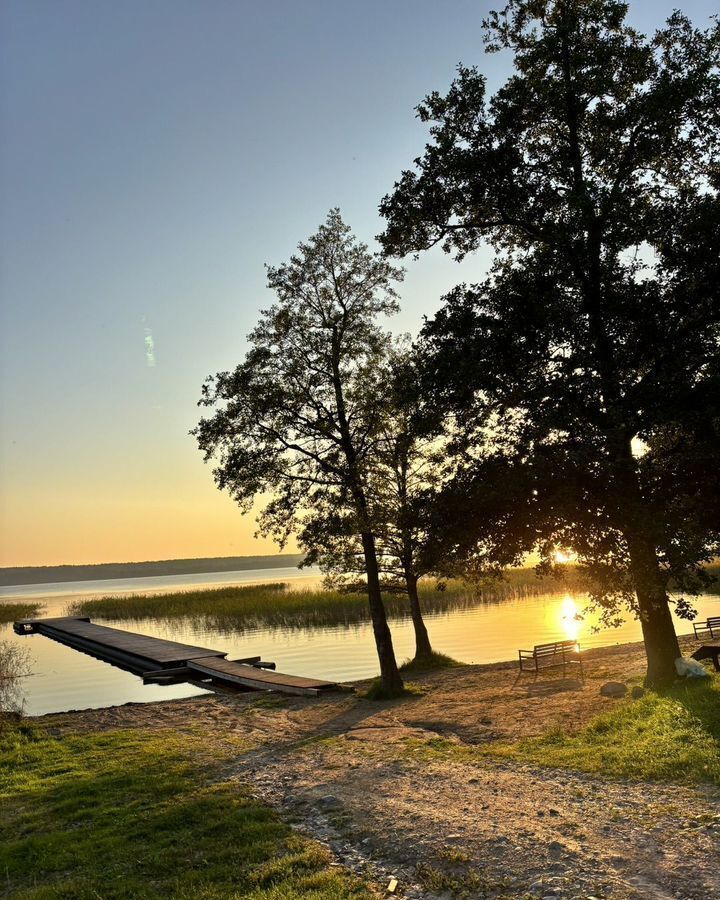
[151,656]
[138,651]
[258,679]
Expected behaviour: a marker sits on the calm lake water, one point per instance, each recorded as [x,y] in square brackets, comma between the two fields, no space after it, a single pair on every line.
[64,679]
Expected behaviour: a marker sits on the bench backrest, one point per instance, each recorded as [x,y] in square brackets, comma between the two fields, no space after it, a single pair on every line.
[556,647]
[713,622]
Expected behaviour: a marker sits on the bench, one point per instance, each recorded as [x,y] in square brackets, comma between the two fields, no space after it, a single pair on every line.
[710,625]
[547,656]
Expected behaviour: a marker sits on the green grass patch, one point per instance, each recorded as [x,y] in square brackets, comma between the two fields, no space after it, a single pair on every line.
[11,612]
[674,736]
[128,814]
[276,605]
[376,691]
[429,664]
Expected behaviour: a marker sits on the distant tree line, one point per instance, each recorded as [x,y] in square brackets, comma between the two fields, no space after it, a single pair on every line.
[571,399]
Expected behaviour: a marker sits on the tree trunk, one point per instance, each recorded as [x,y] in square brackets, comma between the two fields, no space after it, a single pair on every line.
[661,643]
[389,673]
[423,650]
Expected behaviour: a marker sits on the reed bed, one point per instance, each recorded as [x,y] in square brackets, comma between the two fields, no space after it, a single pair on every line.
[277,605]
[11,612]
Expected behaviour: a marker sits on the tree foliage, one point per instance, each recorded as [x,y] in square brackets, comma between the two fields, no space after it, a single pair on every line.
[593,172]
[296,424]
[405,475]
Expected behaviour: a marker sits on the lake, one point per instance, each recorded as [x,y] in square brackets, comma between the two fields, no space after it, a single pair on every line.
[64,679]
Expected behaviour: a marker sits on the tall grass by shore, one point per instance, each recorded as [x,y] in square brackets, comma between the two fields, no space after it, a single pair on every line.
[277,605]
[11,612]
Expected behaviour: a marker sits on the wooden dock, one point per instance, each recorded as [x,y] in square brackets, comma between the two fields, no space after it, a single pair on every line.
[165,662]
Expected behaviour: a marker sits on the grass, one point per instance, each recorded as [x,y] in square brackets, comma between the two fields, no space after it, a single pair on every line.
[429,664]
[673,736]
[14,666]
[275,605]
[127,814]
[376,691]
[11,612]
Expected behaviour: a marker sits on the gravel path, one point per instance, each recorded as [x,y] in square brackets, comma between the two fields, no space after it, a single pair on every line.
[358,776]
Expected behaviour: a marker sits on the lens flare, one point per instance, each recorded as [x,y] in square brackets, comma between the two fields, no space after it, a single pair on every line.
[149,349]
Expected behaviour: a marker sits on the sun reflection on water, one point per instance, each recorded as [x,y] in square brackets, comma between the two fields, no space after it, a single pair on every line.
[571,618]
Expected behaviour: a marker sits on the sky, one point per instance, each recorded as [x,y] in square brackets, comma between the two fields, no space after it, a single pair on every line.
[154,155]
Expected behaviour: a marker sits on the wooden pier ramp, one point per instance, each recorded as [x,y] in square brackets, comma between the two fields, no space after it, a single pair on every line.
[165,662]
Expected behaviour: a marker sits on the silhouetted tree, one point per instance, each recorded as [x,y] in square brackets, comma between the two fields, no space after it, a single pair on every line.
[404,475]
[299,418]
[591,171]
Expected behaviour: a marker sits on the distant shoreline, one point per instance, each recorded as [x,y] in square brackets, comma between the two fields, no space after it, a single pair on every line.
[15,575]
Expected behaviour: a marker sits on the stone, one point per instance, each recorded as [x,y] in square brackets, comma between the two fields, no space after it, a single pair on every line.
[328,802]
[613,689]
[637,692]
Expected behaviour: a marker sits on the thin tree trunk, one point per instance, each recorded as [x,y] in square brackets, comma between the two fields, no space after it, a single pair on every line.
[423,650]
[389,673]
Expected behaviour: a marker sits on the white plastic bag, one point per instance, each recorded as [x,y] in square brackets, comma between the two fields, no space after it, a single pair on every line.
[690,668]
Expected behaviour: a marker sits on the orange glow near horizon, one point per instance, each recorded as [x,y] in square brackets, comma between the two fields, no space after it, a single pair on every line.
[564,555]
[67,525]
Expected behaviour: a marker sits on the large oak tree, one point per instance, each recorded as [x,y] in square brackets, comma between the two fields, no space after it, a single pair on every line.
[593,172]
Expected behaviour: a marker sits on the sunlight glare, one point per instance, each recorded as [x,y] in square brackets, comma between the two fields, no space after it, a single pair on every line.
[571,618]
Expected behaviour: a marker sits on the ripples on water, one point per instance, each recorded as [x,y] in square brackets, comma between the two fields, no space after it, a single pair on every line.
[474,632]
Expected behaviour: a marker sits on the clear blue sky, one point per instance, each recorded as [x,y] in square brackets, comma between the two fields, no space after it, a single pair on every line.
[153,156]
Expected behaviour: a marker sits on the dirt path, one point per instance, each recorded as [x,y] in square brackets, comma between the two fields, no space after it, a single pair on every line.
[356,775]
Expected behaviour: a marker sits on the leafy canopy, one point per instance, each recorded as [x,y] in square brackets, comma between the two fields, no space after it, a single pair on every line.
[594,173]
[296,421]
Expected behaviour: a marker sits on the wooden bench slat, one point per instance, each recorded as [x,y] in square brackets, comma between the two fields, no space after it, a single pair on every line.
[556,653]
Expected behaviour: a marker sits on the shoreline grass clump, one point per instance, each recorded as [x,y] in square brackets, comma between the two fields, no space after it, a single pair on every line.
[14,666]
[145,814]
[11,612]
[376,691]
[276,604]
[429,664]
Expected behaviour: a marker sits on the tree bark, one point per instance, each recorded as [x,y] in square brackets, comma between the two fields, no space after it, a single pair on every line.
[389,673]
[423,650]
[661,643]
